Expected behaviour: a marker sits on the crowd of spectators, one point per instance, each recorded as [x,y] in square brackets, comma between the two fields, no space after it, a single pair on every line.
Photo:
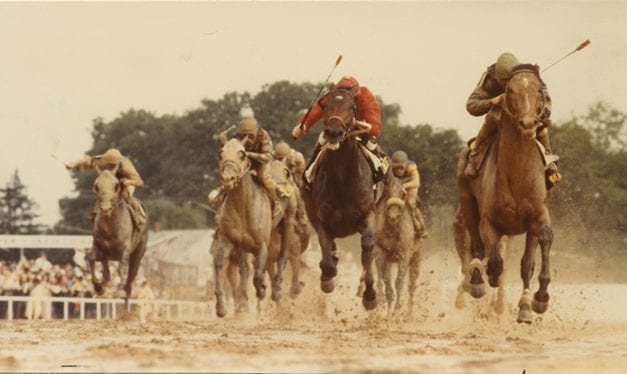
[39,277]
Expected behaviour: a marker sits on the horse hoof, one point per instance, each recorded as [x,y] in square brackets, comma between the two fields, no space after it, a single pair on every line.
[539,306]
[369,304]
[369,299]
[220,310]
[524,315]
[327,286]
[276,297]
[477,290]
[494,282]
[294,292]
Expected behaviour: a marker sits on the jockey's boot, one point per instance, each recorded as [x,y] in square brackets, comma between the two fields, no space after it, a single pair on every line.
[373,147]
[471,170]
[311,164]
[216,196]
[138,214]
[419,225]
[552,174]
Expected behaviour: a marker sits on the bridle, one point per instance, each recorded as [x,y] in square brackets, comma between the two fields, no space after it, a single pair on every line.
[506,105]
[237,168]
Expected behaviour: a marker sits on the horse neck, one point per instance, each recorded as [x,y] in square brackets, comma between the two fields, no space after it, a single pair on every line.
[239,196]
[345,160]
[517,156]
[112,223]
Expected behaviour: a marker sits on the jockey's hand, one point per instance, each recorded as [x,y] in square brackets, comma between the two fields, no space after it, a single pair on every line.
[364,124]
[298,131]
[70,166]
[496,100]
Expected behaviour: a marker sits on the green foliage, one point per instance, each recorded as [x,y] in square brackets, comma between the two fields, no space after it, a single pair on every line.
[17,210]
[593,162]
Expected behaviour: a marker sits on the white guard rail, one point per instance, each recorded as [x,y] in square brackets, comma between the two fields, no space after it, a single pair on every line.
[108,308]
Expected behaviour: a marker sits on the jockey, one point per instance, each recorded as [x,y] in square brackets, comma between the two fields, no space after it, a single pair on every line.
[292,158]
[488,95]
[124,170]
[258,146]
[367,114]
[407,172]
[295,163]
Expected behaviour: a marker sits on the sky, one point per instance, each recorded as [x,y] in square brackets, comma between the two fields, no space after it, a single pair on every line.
[64,64]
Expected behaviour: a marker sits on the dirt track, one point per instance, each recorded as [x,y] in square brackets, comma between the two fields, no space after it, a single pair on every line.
[584,330]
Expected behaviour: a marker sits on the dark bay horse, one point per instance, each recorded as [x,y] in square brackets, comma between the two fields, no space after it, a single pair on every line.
[509,197]
[115,236]
[341,200]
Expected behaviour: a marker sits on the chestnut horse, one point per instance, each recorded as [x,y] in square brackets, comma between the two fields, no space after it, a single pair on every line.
[509,197]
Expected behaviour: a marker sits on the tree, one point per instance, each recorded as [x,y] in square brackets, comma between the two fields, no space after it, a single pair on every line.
[17,210]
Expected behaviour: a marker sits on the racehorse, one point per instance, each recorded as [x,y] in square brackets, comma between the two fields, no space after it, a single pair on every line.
[115,236]
[341,199]
[398,243]
[245,226]
[509,196]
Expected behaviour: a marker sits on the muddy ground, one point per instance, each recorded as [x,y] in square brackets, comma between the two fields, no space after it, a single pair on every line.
[584,330]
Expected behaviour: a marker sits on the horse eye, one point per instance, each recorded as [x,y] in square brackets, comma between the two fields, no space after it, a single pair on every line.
[509,90]
[95,188]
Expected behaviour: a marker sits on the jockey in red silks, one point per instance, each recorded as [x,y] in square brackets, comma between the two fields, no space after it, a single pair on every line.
[367,115]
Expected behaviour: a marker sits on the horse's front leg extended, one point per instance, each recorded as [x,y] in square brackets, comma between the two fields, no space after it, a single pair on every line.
[260,266]
[541,298]
[403,265]
[369,298]
[91,259]
[218,263]
[328,263]
[243,280]
[495,262]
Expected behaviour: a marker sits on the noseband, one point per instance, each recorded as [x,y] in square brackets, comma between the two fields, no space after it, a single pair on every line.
[239,171]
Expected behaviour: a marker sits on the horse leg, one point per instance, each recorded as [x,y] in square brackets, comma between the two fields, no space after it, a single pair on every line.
[495,261]
[328,263]
[218,262]
[91,259]
[527,265]
[470,217]
[463,247]
[414,271]
[541,297]
[403,265]
[386,274]
[260,266]
[243,280]
[133,266]
[232,274]
[296,289]
[379,259]
[369,299]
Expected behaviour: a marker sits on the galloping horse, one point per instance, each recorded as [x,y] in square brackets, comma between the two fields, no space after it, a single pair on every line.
[288,235]
[341,200]
[115,236]
[397,242]
[245,224]
[509,197]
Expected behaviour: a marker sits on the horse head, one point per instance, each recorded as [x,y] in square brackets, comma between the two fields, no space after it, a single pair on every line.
[108,192]
[339,116]
[233,163]
[394,210]
[524,99]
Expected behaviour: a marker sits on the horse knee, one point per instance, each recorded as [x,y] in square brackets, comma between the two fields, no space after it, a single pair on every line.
[545,236]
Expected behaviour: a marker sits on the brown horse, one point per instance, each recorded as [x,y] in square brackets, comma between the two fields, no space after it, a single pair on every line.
[509,197]
[115,236]
[245,225]
[288,235]
[397,243]
[341,200]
